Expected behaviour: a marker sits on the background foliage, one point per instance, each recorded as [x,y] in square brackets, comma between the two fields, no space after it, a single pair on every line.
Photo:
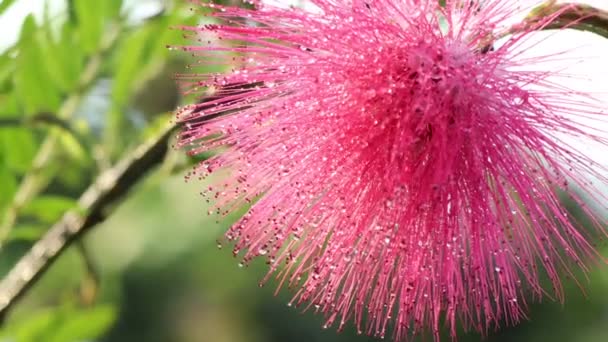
[83,84]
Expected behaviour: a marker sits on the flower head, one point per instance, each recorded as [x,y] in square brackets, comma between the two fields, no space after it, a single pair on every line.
[403,172]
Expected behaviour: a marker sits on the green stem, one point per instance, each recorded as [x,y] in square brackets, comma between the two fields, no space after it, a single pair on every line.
[571,16]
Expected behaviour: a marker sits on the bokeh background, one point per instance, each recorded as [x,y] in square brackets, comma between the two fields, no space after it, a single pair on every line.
[95,79]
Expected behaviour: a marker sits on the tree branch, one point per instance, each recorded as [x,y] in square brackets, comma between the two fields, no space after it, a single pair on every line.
[572,16]
[93,207]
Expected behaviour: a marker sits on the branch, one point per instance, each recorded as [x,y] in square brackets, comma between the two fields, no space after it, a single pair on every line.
[93,207]
[44,118]
[571,16]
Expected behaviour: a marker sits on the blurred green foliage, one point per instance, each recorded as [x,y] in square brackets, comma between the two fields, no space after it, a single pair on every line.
[79,89]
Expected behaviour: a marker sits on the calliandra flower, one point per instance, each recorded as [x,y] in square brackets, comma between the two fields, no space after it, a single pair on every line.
[403,173]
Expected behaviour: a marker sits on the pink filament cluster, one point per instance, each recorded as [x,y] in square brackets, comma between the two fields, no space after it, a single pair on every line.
[402,173]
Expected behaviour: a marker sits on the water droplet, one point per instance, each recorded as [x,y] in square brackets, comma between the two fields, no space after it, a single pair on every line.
[518,101]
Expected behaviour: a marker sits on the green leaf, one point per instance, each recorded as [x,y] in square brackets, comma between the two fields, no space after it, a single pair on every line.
[32,329]
[34,87]
[9,106]
[17,159]
[157,125]
[7,68]
[49,208]
[73,147]
[169,34]
[72,55]
[90,20]
[85,324]
[5,4]
[129,62]
[64,59]
[62,324]
[8,186]
[112,8]
[28,233]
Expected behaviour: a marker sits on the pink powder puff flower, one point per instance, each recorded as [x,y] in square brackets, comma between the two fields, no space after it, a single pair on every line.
[403,172]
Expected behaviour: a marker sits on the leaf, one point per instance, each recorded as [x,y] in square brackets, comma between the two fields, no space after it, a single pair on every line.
[157,125]
[31,329]
[7,68]
[85,324]
[8,186]
[169,34]
[112,8]
[62,324]
[73,147]
[72,55]
[17,159]
[129,62]
[90,22]
[33,85]
[64,59]
[48,208]
[8,106]
[28,233]
[5,4]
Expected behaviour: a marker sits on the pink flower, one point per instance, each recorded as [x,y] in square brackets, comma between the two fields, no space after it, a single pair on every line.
[402,171]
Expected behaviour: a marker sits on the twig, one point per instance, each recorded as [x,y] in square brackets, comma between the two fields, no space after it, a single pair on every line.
[43,118]
[93,207]
[89,286]
[573,16]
